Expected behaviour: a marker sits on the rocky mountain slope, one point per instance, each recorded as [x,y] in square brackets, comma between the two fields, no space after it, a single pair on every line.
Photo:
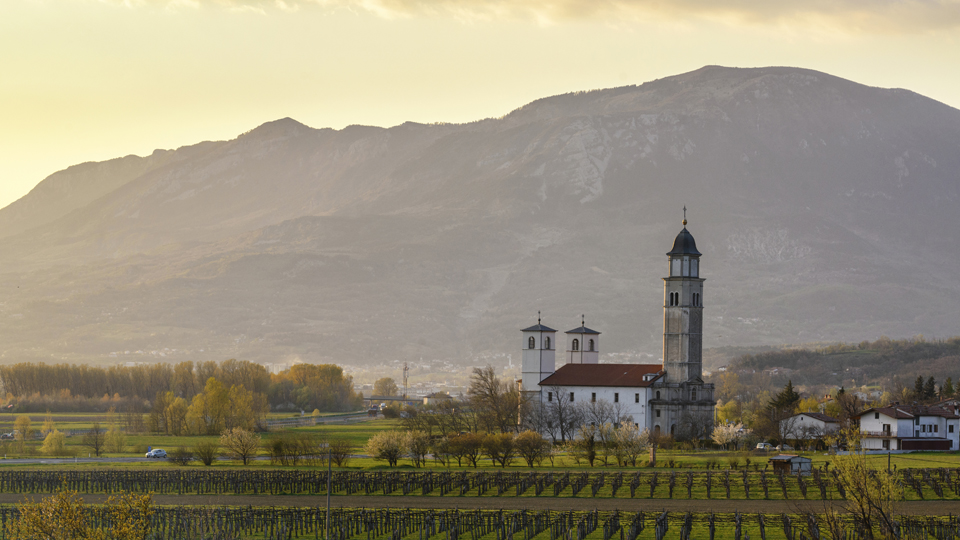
[824,209]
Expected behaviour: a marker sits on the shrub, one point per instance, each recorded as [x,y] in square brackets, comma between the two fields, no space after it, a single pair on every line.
[181,456]
[206,451]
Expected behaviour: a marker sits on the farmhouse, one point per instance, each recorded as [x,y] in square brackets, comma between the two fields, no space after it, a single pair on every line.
[915,427]
[666,398]
[808,426]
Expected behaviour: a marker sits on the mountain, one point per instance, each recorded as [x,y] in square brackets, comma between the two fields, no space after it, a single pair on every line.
[825,210]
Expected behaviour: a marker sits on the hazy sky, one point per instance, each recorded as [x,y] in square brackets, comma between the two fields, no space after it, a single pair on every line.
[86,80]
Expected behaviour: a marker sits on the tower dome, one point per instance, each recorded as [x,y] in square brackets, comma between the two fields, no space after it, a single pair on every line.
[684,244]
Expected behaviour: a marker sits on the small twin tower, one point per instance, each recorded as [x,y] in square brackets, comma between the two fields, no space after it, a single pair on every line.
[659,397]
[540,357]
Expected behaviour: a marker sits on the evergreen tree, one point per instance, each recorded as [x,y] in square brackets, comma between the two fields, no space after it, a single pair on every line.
[930,389]
[947,390]
[786,400]
[918,388]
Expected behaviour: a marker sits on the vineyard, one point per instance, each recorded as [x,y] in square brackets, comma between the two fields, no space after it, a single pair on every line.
[227,523]
[919,484]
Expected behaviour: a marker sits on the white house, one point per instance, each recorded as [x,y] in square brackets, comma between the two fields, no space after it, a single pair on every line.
[914,427]
[660,397]
[808,426]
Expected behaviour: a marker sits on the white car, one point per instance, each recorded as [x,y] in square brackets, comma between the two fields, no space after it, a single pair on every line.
[157,453]
[764,446]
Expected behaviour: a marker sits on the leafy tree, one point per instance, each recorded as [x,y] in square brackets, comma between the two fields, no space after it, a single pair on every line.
[417,447]
[631,443]
[387,445]
[532,447]
[116,441]
[63,516]
[725,434]
[466,446]
[315,386]
[54,444]
[95,439]
[499,448]
[22,431]
[385,387]
[47,423]
[240,443]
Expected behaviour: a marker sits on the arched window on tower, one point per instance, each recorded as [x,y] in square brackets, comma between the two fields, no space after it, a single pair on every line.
[658,394]
[693,394]
[546,343]
[532,343]
[576,345]
[591,345]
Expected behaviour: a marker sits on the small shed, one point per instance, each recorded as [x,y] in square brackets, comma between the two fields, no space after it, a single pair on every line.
[791,464]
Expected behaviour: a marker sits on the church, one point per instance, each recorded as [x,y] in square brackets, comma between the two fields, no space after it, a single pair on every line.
[659,397]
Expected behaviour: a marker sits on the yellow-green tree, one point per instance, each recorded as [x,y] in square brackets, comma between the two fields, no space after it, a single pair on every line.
[176,415]
[47,423]
[22,431]
[64,516]
[240,444]
[116,441]
[873,494]
[54,444]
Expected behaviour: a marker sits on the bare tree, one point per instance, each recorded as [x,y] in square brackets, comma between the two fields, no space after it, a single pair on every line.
[695,426]
[598,412]
[619,414]
[497,404]
[564,415]
[95,439]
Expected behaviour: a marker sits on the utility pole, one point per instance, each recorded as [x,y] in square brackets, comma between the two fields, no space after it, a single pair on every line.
[329,475]
[406,370]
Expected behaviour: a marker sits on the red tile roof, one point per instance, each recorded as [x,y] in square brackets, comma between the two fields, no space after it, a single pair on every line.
[603,375]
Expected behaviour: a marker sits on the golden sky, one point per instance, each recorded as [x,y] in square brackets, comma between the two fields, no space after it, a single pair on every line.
[89,80]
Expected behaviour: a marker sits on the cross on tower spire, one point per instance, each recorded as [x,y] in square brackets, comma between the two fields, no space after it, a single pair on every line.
[684,215]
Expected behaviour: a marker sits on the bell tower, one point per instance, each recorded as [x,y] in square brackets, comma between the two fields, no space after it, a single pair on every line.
[683,310]
[539,355]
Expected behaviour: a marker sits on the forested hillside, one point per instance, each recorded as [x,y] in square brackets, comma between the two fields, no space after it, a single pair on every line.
[886,362]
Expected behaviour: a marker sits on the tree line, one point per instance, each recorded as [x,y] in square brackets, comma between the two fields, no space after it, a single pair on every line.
[38,387]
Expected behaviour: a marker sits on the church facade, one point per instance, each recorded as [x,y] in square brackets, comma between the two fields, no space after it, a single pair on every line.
[665,398]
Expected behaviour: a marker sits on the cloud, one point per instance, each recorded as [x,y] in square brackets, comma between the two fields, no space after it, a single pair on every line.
[886,16]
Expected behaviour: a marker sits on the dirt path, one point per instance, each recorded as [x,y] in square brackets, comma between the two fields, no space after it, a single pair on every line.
[920,508]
